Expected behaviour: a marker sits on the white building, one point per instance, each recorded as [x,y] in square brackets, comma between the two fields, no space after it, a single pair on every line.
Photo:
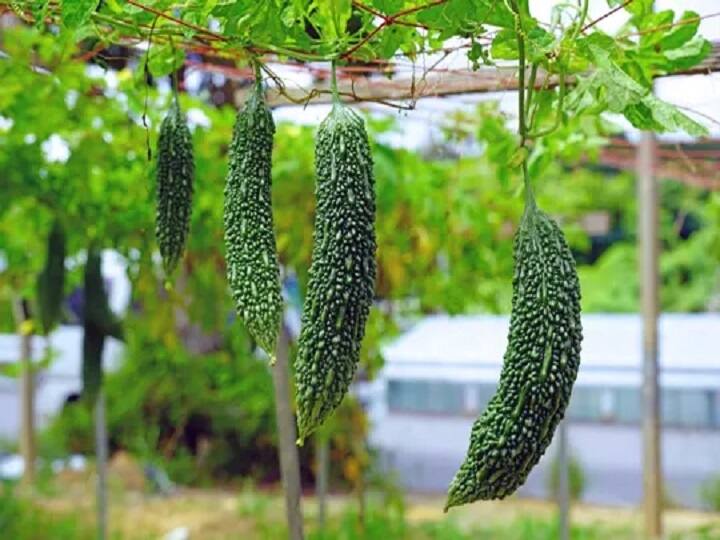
[440,375]
[53,385]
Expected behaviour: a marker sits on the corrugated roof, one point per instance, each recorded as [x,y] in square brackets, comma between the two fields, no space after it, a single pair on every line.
[687,341]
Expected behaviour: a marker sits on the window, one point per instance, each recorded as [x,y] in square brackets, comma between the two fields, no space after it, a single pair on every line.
[680,407]
[687,408]
[628,405]
[590,404]
[426,396]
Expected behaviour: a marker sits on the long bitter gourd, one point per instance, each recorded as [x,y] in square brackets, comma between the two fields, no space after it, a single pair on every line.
[95,310]
[51,280]
[99,322]
[175,175]
[342,273]
[539,368]
[251,254]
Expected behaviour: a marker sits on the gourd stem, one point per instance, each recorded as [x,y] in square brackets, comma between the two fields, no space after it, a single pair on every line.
[522,127]
[258,76]
[558,112]
[333,83]
[175,87]
[530,90]
[581,19]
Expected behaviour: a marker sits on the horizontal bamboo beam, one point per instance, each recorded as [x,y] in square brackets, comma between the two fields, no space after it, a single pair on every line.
[435,84]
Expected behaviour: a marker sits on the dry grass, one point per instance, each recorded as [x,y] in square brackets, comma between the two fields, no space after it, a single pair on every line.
[217,514]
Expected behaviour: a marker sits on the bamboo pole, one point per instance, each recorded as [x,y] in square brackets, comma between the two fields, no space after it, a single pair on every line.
[27,391]
[287,435]
[649,284]
[101,459]
[563,483]
[321,486]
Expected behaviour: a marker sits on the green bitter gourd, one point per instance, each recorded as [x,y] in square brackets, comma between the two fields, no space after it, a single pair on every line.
[94,310]
[252,262]
[51,280]
[342,273]
[175,176]
[539,369]
[99,322]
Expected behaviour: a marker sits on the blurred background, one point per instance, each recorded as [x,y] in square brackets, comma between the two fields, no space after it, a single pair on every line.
[190,417]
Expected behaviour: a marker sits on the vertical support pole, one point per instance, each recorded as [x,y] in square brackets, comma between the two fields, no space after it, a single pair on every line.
[649,283]
[321,485]
[27,390]
[101,458]
[287,435]
[563,483]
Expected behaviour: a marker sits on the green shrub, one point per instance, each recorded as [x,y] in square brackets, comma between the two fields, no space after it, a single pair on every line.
[710,493]
[198,416]
[576,478]
[21,520]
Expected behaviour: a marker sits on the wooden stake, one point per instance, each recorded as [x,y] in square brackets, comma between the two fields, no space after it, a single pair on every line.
[101,458]
[649,284]
[563,482]
[321,486]
[27,391]
[287,435]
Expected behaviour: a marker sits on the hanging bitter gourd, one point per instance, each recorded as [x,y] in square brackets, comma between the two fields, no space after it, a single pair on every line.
[539,368]
[94,310]
[342,273]
[99,322]
[251,254]
[51,280]
[175,176]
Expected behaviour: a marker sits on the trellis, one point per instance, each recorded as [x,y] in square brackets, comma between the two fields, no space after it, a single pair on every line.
[362,81]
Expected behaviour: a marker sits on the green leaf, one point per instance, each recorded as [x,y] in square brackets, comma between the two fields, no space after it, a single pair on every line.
[660,20]
[332,17]
[504,45]
[680,35]
[670,118]
[164,59]
[587,47]
[76,12]
[639,8]
[538,43]
[689,55]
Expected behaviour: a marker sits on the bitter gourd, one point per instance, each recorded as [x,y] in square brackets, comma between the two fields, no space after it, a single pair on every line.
[342,272]
[539,369]
[51,280]
[94,310]
[99,322]
[175,176]
[251,254]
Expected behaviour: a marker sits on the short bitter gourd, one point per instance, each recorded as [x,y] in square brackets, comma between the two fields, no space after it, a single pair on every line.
[51,280]
[252,262]
[539,369]
[175,176]
[342,273]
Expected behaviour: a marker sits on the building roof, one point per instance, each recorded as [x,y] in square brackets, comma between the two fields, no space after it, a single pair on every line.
[473,346]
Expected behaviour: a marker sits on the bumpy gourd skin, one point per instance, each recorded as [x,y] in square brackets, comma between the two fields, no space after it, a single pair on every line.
[539,369]
[175,174]
[51,280]
[251,254]
[342,274]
